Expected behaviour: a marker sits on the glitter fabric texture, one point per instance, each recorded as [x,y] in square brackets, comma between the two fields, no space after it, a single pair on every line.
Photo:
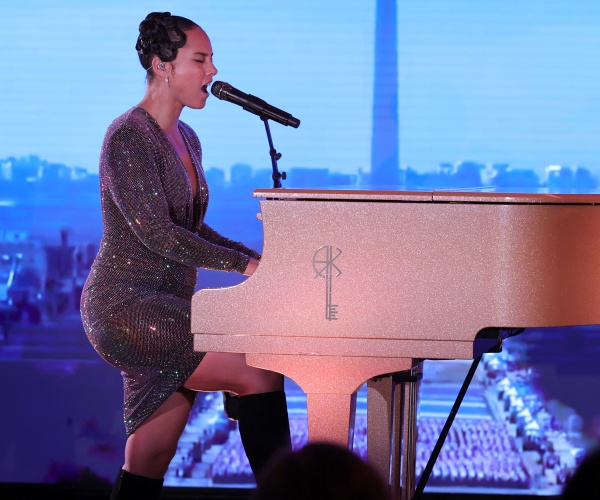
[136,301]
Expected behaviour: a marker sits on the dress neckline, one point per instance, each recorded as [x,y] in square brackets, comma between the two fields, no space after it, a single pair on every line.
[201,197]
[147,114]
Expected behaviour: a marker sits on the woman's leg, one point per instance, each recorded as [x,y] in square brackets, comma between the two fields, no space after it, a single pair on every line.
[220,371]
[151,447]
[264,428]
[130,486]
[263,417]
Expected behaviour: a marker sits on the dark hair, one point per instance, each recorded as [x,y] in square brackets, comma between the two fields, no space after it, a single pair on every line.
[585,483]
[320,471]
[162,35]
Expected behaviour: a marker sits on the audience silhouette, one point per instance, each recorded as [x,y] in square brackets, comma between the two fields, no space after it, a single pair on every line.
[320,471]
[585,483]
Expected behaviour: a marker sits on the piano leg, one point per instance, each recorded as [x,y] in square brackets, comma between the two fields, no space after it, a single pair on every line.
[330,384]
[379,423]
[392,403]
[331,417]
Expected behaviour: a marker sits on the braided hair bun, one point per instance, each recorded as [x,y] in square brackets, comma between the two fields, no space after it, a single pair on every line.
[162,35]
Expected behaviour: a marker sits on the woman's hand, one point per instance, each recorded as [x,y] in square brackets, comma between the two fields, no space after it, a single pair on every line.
[252,266]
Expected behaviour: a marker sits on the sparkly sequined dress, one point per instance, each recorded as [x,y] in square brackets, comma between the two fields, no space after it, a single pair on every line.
[136,301]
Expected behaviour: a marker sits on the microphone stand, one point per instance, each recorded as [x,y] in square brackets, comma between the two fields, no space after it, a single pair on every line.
[277,176]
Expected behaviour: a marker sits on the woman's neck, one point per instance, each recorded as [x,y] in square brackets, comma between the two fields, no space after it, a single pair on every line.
[163,110]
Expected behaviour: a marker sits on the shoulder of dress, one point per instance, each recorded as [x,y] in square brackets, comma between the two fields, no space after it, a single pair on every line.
[131,123]
[134,117]
[189,132]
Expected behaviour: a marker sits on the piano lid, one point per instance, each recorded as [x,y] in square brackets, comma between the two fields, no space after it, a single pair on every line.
[469,195]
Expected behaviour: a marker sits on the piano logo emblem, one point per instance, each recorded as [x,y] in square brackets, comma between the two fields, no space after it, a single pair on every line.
[324,265]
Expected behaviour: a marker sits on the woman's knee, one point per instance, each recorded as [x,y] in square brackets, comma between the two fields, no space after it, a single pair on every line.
[152,446]
[263,381]
[229,372]
[149,459]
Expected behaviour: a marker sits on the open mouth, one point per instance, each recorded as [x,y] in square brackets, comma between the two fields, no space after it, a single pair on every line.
[205,88]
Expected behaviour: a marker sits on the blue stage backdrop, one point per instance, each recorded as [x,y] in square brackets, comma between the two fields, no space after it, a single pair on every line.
[408,94]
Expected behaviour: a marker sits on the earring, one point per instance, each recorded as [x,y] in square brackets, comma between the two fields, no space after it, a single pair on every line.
[167,81]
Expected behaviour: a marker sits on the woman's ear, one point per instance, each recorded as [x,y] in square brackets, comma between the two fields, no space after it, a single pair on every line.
[159,67]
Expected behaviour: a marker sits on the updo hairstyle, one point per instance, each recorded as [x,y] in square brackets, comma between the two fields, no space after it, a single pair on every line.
[162,35]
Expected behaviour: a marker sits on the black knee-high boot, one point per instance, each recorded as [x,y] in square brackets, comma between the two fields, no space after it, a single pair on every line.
[264,427]
[231,405]
[130,486]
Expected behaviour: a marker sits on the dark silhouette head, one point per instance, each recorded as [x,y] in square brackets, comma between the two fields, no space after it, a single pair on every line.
[585,483]
[321,471]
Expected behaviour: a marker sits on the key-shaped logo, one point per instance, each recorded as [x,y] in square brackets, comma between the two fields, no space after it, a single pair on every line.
[324,265]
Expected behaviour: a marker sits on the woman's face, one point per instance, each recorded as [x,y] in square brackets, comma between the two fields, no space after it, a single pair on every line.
[192,70]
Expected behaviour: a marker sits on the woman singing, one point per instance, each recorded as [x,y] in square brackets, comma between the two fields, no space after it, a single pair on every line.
[136,301]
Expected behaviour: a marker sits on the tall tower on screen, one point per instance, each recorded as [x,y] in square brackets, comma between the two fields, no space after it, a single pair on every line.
[385,168]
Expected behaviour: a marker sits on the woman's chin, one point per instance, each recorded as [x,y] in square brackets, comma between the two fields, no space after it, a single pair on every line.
[196,105]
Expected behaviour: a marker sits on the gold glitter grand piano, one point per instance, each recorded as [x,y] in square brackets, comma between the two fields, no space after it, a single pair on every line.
[356,284]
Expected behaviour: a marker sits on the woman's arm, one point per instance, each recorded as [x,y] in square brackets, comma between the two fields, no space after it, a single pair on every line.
[209,234]
[130,173]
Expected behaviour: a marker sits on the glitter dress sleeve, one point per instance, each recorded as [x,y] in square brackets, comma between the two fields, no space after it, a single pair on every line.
[139,189]
[208,233]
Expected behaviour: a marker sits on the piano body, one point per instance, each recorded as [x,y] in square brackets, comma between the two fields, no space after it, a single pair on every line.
[356,284]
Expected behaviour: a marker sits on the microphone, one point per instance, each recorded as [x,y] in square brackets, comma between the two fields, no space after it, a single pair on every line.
[253,104]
